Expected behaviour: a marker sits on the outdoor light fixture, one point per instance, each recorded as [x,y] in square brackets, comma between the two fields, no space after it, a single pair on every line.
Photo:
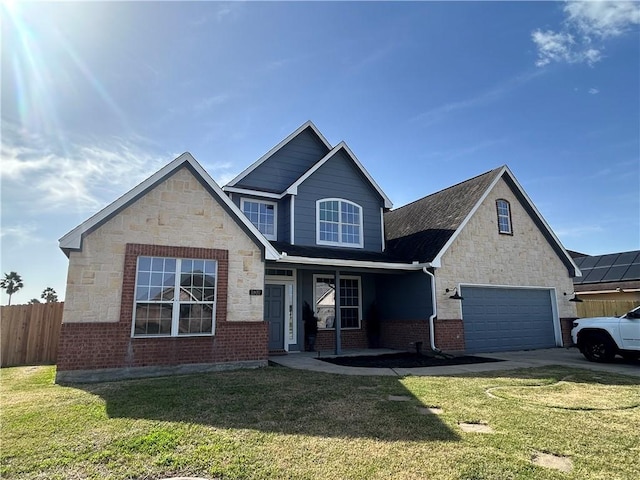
[455,295]
[574,298]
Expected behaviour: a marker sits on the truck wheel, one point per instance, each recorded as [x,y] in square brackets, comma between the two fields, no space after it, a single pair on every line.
[598,347]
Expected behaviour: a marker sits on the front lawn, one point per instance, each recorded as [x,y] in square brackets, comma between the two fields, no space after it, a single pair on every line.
[281,423]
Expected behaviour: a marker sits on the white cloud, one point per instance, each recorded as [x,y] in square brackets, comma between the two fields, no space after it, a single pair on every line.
[594,91]
[20,234]
[82,178]
[586,27]
[602,18]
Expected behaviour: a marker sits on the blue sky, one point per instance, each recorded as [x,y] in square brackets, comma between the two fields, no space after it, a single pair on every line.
[98,96]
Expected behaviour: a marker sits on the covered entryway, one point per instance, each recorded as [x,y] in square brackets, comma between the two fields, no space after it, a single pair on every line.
[274,315]
[502,319]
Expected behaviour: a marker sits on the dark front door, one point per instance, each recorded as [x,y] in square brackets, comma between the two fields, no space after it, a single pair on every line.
[274,315]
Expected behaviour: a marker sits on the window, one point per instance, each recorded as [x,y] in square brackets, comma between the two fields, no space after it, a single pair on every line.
[262,215]
[339,222]
[504,217]
[159,311]
[325,301]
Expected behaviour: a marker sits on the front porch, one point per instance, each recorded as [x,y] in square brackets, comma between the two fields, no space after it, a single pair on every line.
[373,307]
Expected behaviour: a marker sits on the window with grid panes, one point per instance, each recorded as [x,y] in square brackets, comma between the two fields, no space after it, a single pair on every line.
[339,222]
[175,297]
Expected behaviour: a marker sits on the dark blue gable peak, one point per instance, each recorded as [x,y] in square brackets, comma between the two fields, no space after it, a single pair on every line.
[284,163]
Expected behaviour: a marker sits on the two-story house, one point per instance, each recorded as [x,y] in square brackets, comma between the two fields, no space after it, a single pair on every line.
[182,275]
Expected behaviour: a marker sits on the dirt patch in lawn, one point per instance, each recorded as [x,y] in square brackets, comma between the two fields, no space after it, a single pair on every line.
[405,360]
[475,428]
[556,462]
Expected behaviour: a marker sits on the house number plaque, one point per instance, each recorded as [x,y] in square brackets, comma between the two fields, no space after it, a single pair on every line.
[255,292]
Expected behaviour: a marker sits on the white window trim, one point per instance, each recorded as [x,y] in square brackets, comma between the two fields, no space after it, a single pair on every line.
[339,243]
[342,277]
[273,237]
[175,313]
[508,217]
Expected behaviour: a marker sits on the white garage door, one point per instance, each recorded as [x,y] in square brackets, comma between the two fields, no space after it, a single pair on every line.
[503,319]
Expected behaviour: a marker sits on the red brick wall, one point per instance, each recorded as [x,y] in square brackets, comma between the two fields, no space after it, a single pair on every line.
[565,327]
[449,334]
[87,346]
[326,339]
[400,334]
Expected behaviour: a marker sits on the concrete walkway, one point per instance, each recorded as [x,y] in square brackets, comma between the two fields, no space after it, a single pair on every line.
[569,357]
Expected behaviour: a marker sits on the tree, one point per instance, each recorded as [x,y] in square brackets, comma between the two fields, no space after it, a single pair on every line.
[11,283]
[49,295]
[33,301]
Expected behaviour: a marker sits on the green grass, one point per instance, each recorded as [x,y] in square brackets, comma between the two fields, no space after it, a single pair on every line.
[281,423]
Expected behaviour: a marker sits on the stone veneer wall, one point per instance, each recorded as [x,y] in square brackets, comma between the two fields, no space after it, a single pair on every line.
[177,218]
[480,255]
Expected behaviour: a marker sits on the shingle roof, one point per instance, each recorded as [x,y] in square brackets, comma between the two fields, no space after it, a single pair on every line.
[419,230]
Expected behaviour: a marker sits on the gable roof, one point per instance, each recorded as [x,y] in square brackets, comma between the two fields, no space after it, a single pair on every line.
[423,230]
[72,241]
[308,127]
[238,183]
[293,188]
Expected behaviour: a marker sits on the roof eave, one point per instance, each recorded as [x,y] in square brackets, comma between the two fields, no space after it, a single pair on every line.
[335,262]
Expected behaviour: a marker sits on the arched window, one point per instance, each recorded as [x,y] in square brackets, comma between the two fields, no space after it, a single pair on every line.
[338,223]
[504,217]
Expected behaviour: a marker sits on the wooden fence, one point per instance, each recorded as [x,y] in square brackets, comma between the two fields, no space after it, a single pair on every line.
[29,333]
[604,308]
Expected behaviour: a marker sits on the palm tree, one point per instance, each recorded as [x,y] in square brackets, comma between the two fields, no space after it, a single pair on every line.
[12,282]
[49,295]
[33,301]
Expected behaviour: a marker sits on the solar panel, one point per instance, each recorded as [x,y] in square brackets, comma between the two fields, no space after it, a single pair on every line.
[633,273]
[615,273]
[613,267]
[595,275]
[627,258]
[587,262]
[607,260]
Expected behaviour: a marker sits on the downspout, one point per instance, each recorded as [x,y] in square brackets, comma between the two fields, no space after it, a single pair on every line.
[432,334]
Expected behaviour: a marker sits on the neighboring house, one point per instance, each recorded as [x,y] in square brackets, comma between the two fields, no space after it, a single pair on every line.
[304,219]
[615,276]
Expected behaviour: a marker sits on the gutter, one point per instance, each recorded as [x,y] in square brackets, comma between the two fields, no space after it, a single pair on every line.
[432,335]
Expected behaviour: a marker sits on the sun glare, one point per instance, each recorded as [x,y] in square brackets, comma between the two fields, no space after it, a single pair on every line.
[46,65]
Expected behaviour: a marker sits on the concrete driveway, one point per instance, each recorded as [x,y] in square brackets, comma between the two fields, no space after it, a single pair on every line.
[569,357]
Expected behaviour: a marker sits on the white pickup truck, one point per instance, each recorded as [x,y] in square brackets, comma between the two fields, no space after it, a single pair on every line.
[601,339]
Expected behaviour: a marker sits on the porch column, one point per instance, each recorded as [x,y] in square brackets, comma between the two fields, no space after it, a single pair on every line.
[338,320]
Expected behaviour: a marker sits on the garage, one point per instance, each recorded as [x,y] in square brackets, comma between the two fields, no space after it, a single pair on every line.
[502,319]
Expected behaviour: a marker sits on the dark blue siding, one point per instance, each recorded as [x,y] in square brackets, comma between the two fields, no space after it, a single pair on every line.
[338,178]
[286,165]
[404,296]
